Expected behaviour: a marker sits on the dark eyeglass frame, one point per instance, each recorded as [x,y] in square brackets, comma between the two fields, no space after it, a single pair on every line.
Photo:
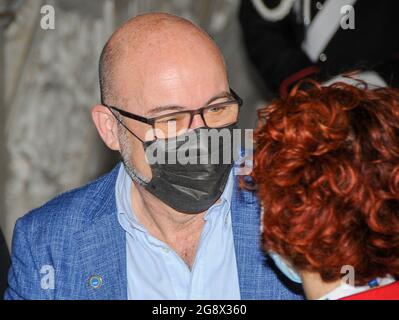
[151,121]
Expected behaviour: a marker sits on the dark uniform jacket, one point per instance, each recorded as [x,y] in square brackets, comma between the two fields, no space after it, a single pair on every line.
[275,47]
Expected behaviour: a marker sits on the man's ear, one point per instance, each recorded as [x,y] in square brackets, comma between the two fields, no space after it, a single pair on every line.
[106,125]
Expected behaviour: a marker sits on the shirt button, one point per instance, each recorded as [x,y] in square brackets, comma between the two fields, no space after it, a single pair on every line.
[323,57]
[319,5]
[166,250]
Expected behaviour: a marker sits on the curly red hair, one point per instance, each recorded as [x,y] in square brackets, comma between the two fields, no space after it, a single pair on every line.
[326,167]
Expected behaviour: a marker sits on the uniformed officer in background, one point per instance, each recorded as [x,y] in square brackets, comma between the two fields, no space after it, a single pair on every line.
[288,40]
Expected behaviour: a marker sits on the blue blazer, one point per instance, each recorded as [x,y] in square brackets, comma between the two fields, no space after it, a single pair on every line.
[77,236]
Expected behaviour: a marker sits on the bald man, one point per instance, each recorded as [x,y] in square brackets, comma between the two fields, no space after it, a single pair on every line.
[152,230]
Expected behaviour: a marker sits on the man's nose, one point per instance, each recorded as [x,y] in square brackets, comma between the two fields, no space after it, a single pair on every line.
[197,122]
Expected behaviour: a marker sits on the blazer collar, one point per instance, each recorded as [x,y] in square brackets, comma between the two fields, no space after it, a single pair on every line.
[101,245]
[245,215]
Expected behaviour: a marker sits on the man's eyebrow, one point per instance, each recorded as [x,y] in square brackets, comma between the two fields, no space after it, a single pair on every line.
[223,94]
[165,108]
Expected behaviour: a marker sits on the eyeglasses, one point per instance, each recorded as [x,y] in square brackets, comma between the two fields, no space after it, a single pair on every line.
[217,115]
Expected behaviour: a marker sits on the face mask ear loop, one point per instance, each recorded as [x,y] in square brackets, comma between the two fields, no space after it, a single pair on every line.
[134,175]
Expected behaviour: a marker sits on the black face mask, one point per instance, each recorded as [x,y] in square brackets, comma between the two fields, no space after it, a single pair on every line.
[196,184]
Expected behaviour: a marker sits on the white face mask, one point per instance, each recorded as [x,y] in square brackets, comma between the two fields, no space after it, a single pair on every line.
[280,262]
[283,266]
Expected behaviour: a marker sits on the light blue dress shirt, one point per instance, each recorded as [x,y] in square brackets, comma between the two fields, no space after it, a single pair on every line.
[155,271]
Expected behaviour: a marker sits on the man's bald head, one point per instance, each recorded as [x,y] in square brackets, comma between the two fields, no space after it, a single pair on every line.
[150,39]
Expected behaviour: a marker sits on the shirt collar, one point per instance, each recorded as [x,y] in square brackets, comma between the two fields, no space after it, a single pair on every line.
[126,216]
[224,201]
[345,290]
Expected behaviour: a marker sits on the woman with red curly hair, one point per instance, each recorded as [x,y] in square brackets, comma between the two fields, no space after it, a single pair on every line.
[326,168]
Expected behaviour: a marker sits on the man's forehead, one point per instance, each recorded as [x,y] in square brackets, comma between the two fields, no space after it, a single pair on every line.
[188,82]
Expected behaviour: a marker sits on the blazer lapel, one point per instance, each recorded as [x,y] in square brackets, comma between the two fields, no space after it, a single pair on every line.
[102,255]
[101,247]
[246,235]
